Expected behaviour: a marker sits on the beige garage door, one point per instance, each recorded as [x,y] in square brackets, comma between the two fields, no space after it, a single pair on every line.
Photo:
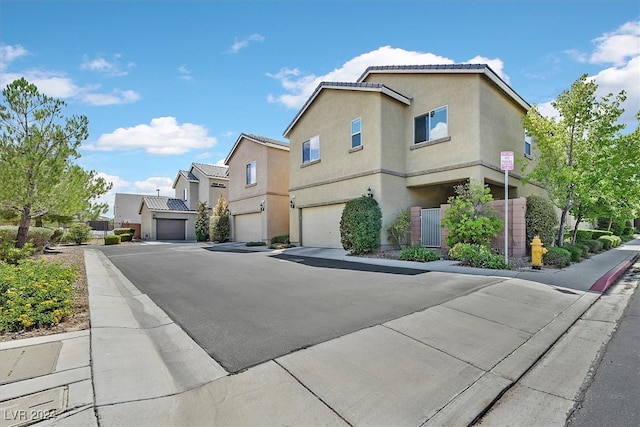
[321,226]
[248,227]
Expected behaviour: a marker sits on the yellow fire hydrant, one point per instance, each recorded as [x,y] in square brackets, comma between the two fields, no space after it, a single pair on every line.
[537,250]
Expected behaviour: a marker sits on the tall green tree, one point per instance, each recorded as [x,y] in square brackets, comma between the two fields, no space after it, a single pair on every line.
[574,149]
[38,145]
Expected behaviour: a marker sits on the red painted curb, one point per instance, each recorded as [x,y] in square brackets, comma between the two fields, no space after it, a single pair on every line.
[611,276]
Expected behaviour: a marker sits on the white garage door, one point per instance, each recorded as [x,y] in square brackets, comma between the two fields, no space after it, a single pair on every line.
[321,226]
[248,227]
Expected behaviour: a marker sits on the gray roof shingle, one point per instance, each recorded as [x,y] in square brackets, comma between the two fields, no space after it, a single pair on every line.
[160,203]
[212,171]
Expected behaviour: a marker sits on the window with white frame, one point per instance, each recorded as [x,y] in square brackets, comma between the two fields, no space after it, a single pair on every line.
[527,145]
[356,133]
[184,194]
[431,126]
[311,150]
[251,173]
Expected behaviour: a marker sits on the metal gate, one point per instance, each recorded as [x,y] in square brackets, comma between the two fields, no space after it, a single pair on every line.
[430,227]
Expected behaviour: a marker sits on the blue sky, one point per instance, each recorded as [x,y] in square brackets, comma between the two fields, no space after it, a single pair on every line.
[167,83]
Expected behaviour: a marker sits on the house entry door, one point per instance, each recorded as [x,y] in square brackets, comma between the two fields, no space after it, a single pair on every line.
[430,227]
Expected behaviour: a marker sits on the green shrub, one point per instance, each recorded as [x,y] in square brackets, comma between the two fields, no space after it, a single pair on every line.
[541,220]
[360,225]
[596,234]
[557,257]
[582,235]
[219,223]
[126,237]
[399,227]
[476,256]
[112,239]
[470,219]
[255,244]
[35,293]
[9,253]
[282,238]
[576,252]
[610,242]
[418,253]
[281,246]
[594,246]
[79,233]
[38,236]
[202,223]
[126,230]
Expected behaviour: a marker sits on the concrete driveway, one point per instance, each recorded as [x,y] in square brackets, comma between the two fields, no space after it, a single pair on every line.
[245,308]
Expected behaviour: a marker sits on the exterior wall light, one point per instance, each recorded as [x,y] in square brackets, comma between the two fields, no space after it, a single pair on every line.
[262,206]
[369,192]
[292,202]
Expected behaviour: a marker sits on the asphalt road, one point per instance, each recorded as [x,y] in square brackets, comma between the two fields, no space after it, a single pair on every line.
[245,308]
[614,392]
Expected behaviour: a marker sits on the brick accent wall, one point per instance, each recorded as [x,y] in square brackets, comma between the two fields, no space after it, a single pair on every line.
[517,226]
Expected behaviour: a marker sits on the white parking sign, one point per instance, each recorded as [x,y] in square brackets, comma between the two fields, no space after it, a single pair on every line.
[506,160]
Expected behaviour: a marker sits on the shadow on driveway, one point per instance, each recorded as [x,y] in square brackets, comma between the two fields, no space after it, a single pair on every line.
[348,265]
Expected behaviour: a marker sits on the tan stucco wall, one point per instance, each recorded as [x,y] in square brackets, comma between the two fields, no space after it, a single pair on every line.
[482,122]
[272,183]
[148,224]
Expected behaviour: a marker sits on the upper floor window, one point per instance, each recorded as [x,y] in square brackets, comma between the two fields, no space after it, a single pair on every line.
[356,133]
[184,194]
[527,145]
[430,126]
[251,173]
[311,150]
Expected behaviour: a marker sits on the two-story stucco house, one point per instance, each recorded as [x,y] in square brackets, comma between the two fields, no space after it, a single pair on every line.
[404,134]
[258,188]
[173,218]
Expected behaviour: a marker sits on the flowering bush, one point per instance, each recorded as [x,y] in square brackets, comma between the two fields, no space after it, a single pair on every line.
[35,293]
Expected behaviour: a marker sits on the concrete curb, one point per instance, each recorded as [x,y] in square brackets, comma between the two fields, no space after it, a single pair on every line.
[603,283]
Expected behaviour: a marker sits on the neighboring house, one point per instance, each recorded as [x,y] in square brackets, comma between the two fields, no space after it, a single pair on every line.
[173,218]
[406,135]
[258,188]
[126,209]
[166,218]
[202,182]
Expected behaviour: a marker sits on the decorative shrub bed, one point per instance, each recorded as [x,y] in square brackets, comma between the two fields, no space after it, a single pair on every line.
[418,253]
[35,293]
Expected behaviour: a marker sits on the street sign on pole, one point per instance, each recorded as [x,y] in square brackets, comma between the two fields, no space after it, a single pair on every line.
[506,164]
[506,160]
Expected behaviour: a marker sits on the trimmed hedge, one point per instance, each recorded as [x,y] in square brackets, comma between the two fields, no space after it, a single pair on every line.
[610,241]
[557,257]
[418,253]
[126,237]
[282,238]
[119,231]
[360,225]
[112,239]
[576,252]
[594,246]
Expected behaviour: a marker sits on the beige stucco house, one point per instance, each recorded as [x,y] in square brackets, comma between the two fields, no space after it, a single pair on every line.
[173,218]
[407,135]
[258,188]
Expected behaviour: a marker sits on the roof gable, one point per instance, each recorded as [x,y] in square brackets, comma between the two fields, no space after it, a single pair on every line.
[211,171]
[261,140]
[358,86]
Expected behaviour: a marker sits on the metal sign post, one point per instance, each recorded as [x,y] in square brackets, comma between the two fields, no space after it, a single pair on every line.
[506,164]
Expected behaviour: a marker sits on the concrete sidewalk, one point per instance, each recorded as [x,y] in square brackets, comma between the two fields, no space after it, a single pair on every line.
[441,366]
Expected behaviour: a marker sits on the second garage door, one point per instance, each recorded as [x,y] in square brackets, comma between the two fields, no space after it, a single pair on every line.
[248,227]
[321,226]
[170,229]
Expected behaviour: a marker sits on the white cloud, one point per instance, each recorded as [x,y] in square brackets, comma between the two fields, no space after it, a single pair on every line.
[58,85]
[9,53]
[241,44]
[162,136]
[111,68]
[185,73]
[152,184]
[300,86]
[117,97]
[618,46]
[149,186]
[621,50]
